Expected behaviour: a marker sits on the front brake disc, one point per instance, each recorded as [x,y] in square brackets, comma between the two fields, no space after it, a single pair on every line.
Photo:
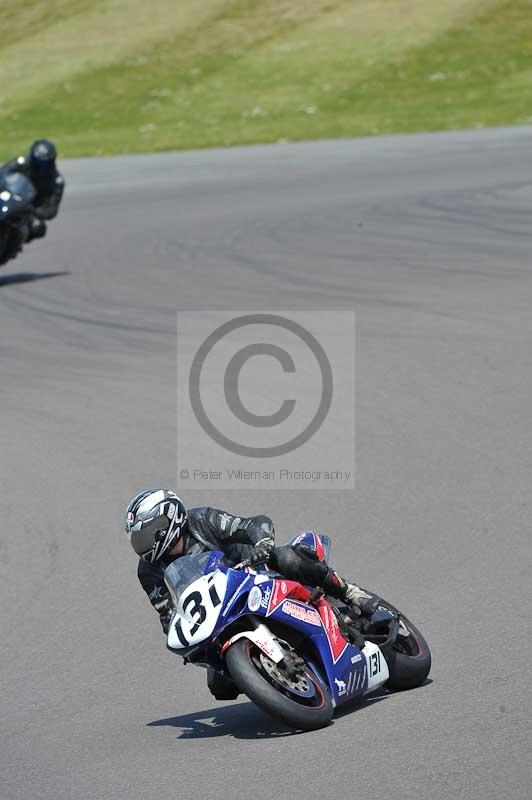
[297,684]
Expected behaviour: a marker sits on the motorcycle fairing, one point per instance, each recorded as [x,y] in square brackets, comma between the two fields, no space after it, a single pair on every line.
[350,672]
[228,594]
[17,193]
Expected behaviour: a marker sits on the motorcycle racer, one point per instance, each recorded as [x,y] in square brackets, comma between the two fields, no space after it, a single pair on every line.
[39,166]
[160,529]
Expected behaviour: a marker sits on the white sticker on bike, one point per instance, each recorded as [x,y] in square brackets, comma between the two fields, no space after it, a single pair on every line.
[254,598]
[376,666]
[197,611]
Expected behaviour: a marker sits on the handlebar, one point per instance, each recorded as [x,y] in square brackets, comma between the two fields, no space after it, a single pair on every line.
[251,562]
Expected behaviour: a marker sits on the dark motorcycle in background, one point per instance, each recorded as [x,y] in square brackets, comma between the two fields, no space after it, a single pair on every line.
[17,195]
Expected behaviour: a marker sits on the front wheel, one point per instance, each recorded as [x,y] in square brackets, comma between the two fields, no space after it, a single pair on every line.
[299,700]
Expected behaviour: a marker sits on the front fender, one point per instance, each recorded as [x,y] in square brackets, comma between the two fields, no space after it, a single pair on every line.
[263,638]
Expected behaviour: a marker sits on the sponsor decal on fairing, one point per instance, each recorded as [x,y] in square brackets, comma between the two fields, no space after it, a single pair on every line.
[266,598]
[302,613]
[341,686]
[254,598]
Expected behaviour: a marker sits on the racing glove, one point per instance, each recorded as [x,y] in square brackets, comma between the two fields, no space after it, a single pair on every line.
[261,552]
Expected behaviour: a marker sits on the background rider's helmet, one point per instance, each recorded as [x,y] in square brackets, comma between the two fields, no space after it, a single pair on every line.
[41,159]
[154,521]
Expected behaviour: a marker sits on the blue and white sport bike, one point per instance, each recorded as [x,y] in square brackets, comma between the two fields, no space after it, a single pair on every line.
[288,648]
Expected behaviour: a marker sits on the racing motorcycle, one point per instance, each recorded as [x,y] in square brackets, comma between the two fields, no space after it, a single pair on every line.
[17,194]
[290,649]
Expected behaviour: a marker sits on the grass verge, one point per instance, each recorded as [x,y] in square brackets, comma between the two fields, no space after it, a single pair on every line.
[106,77]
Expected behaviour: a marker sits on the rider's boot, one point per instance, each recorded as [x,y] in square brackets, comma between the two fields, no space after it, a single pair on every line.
[360,602]
[37,229]
[220,686]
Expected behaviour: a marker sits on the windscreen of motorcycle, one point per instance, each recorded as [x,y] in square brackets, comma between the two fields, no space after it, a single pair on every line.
[198,602]
[16,192]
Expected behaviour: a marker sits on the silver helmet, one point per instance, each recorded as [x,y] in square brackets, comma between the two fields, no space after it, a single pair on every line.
[154,521]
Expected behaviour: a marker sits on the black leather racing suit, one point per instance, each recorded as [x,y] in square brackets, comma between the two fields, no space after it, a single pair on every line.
[49,188]
[212,529]
[206,529]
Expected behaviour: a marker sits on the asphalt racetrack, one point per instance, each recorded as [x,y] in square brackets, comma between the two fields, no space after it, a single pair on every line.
[429,239]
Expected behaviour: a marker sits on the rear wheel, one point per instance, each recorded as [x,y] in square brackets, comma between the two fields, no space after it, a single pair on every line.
[409,660]
[296,697]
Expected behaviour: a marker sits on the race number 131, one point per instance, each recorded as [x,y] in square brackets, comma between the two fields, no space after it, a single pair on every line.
[374,664]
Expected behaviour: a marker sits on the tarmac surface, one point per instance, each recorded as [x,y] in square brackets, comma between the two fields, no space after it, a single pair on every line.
[429,239]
